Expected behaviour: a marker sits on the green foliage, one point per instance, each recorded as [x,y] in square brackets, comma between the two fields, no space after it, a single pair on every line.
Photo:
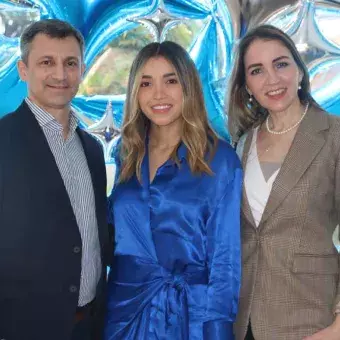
[184,33]
[134,39]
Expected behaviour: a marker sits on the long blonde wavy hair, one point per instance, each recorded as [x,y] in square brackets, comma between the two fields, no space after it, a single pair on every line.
[196,133]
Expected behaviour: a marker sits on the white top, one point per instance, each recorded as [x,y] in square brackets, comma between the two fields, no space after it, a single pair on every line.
[256,186]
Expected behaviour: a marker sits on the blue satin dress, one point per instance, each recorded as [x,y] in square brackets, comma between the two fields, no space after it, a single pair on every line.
[176,272]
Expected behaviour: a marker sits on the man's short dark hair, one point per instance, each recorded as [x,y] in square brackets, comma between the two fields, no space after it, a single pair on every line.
[53,28]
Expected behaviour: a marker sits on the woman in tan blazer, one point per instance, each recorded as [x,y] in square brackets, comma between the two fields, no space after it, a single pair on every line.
[290,150]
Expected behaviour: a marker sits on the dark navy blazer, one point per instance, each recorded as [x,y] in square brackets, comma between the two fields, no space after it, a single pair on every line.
[40,262]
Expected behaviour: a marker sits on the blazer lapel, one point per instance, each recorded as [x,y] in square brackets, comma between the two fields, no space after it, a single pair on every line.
[307,144]
[41,163]
[245,203]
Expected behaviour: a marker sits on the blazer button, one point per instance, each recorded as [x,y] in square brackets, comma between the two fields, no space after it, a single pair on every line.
[73,289]
[76,250]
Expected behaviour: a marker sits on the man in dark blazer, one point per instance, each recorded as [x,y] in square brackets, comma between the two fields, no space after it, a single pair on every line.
[54,242]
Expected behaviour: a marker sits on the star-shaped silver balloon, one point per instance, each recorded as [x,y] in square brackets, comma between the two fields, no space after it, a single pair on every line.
[311,29]
[105,131]
[159,22]
[312,25]
[298,21]
[301,19]
[256,12]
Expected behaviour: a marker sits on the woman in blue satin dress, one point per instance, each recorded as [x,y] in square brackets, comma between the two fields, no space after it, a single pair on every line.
[176,210]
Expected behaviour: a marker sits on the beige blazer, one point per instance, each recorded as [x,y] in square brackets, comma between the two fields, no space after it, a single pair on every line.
[290,273]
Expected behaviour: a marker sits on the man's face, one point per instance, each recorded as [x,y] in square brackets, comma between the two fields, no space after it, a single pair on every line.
[53,71]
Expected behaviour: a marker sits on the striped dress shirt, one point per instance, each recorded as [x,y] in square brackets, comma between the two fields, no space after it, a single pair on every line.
[72,164]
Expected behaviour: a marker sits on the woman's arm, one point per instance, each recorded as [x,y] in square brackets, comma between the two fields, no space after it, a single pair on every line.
[332,332]
[224,262]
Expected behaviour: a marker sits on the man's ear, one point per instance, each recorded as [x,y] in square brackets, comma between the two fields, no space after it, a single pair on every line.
[22,69]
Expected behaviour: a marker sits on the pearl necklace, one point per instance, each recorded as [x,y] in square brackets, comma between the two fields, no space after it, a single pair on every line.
[290,128]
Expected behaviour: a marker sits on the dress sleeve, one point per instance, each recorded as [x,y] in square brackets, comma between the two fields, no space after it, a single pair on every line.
[224,262]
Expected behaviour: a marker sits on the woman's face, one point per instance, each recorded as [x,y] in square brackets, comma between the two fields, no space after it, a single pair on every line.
[160,95]
[272,75]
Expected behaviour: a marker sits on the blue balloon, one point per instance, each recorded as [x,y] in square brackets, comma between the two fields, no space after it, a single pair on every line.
[101,21]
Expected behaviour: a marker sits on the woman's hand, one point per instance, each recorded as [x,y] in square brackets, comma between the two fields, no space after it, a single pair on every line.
[331,332]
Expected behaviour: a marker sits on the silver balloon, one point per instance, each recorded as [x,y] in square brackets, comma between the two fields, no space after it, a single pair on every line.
[234,8]
[106,131]
[313,25]
[158,22]
[310,23]
[325,79]
[256,12]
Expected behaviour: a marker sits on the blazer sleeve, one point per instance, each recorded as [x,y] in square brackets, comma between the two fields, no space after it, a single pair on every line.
[337,204]
[224,263]
[4,147]
[1,184]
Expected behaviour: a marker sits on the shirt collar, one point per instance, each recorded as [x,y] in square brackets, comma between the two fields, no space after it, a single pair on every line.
[182,150]
[45,119]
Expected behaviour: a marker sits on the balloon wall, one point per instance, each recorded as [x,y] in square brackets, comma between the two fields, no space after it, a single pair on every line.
[114,31]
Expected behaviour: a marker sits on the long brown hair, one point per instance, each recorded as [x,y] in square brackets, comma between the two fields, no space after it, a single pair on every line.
[243,115]
[196,134]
